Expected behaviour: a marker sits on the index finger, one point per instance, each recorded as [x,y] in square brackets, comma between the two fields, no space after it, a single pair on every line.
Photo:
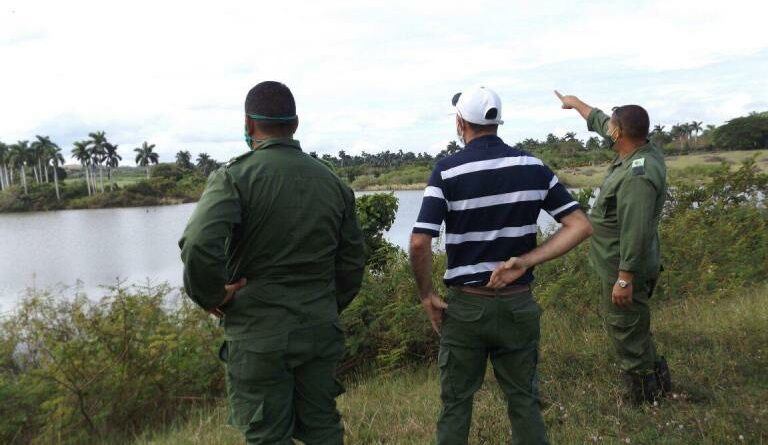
[559,96]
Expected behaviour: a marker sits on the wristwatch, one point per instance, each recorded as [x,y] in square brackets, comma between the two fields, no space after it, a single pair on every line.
[623,283]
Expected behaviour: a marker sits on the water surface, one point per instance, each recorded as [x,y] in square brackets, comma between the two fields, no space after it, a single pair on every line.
[96,247]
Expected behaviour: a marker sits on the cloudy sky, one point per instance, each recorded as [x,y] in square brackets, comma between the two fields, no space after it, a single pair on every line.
[366,75]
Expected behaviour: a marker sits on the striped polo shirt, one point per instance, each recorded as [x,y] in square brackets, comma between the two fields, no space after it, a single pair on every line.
[489,195]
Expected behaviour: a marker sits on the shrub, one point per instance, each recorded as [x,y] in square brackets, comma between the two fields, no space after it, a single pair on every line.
[74,370]
[376,214]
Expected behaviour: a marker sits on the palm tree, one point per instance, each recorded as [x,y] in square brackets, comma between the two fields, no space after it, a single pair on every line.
[145,155]
[82,153]
[56,159]
[42,148]
[204,163]
[696,127]
[98,152]
[3,166]
[19,155]
[184,160]
[112,158]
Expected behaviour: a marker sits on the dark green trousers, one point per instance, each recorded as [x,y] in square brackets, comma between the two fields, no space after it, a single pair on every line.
[630,328]
[284,386]
[506,330]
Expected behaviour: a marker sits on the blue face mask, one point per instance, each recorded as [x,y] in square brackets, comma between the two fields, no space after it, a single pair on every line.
[249,141]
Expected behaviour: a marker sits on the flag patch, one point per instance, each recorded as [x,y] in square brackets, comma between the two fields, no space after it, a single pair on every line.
[638,167]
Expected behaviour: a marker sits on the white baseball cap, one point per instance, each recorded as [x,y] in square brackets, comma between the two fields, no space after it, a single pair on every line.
[479,105]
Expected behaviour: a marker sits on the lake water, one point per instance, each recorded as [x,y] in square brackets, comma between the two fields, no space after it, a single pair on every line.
[96,247]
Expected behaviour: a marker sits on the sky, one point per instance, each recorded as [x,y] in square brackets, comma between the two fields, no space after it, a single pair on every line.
[367,76]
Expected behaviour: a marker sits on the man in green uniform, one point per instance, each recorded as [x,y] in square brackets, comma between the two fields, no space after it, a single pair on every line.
[625,244]
[274,248]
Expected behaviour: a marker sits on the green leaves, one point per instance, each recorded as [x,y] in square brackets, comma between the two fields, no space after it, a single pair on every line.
[376,214]
[746,132]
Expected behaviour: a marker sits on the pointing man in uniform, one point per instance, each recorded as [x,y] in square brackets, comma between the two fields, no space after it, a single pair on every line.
[274,248]
[625,246]
[489,195]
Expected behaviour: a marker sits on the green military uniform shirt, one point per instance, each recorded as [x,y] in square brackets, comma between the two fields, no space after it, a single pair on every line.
[625,216]
[286,223]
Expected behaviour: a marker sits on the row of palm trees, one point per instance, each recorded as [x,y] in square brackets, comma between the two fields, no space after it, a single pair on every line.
[682,133]
[95,155]
[37,156]
[204,162]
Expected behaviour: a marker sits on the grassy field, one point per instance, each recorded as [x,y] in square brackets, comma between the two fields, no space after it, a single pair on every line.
[717,349]
[688,167]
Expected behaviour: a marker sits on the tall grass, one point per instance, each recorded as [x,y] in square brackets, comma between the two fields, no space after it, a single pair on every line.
[718,353]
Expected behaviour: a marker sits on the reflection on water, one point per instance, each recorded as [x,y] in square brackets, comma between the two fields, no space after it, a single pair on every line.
[48,249]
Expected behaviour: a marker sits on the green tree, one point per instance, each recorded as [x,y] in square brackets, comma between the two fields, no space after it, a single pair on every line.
[376,214]
[82,153]
[56,159]
[593,143]
[111,158]
[145,155]
[42,149]
[746,132]
[98,154]
[660,137]
[206,164]
[4,182]
[184,160]
[696,128]
[20,155]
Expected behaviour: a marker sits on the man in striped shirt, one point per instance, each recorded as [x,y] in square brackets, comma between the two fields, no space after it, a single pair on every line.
[489,195]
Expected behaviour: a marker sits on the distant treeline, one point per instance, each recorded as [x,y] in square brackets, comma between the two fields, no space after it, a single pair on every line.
[39,163]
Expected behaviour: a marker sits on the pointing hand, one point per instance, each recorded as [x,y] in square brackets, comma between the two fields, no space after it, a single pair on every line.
[569,102]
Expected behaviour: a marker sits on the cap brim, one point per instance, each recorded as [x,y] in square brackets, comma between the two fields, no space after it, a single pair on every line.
[455,99]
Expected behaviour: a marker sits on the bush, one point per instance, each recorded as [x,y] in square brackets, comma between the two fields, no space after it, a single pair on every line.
[74,370]
[376,214]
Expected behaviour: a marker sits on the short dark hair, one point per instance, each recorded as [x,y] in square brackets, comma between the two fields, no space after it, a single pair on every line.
[272,99]
[632,120]
[477,128]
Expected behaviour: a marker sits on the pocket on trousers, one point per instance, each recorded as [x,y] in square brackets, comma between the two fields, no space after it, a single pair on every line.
[522,328]
[622,325]
[244,414]
[257,362]
[223,351]
[447,389]
[463,311]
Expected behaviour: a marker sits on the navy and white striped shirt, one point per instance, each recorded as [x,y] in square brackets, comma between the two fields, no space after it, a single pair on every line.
[489,196]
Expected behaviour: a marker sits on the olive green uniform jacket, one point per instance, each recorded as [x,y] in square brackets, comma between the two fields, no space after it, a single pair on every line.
[625,216]
[286,223]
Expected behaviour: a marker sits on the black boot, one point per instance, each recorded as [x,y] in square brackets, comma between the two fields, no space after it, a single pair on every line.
[663,377]
[642,388]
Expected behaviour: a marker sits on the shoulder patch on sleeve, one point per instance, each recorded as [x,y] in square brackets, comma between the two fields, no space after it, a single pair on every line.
[638,167]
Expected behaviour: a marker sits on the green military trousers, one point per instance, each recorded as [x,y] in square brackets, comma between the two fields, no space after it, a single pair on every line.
[630,328]
[284,386]
[507,330]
